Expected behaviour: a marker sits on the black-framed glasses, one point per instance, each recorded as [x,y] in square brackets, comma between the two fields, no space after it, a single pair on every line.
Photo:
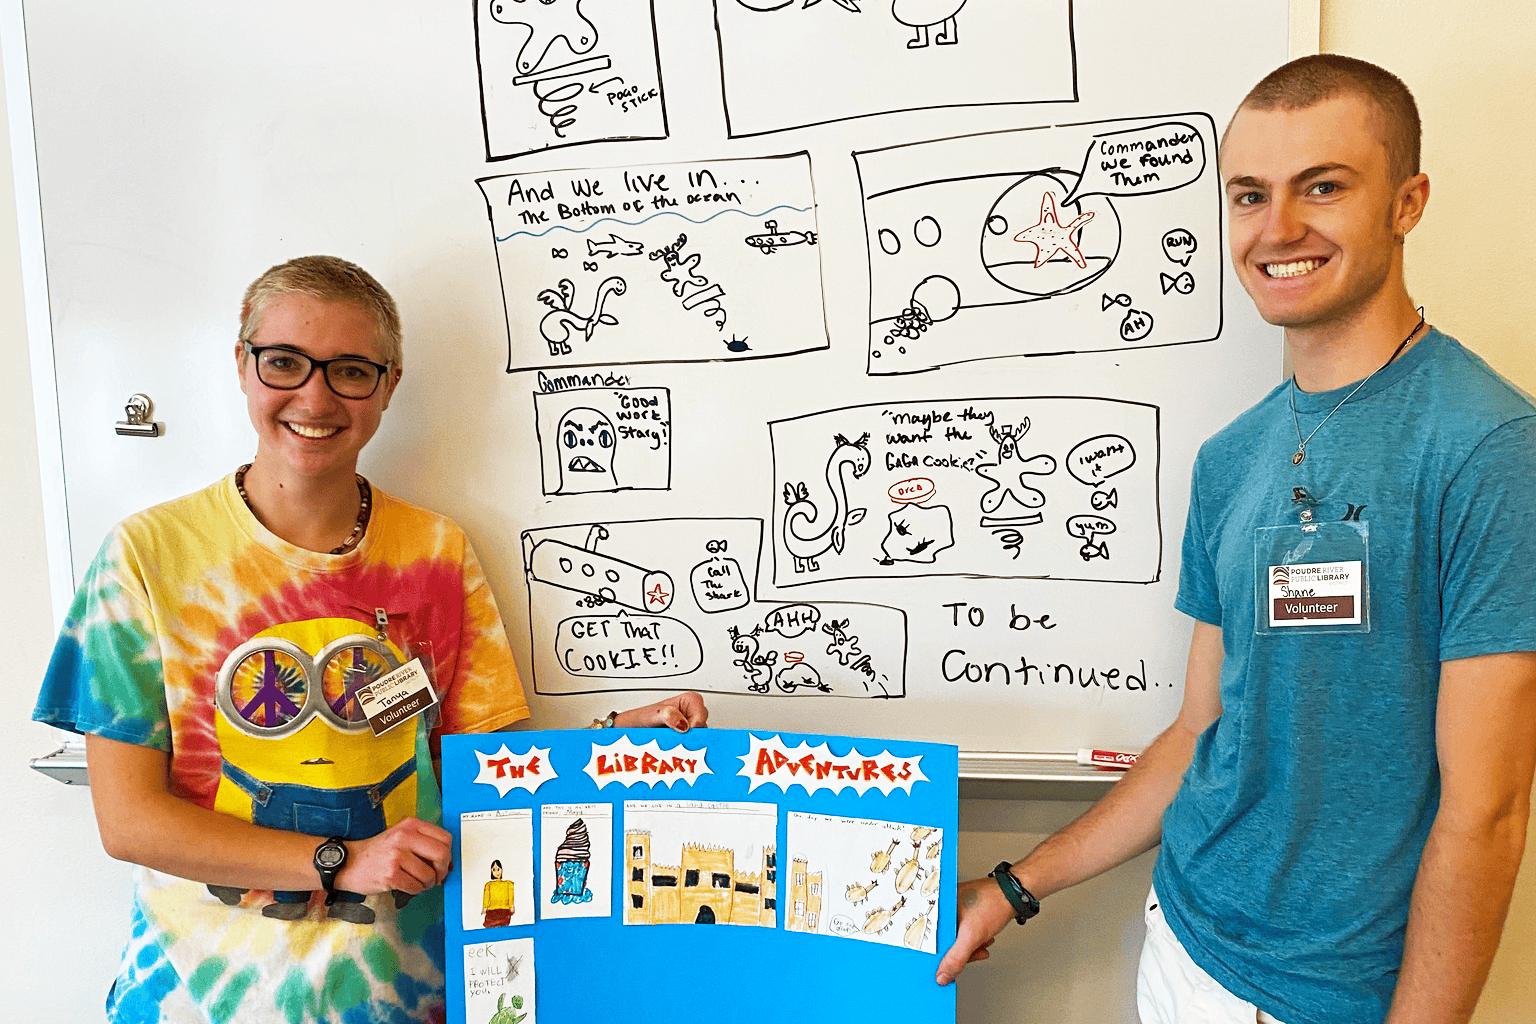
[288,369]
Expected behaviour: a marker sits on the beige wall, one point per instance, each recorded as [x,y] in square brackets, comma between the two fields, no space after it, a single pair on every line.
[1472,67]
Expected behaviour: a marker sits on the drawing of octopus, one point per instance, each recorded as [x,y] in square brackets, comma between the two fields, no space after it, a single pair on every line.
[810,531]
[557,326]
[923,15]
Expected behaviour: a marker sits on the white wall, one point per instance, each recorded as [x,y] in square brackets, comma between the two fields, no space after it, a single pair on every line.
[66,914]
[1471,66]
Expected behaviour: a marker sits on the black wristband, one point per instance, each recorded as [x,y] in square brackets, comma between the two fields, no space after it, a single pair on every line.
[330,857]
[1023,902]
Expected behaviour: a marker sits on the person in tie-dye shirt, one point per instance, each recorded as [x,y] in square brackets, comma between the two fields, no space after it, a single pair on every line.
[212,659]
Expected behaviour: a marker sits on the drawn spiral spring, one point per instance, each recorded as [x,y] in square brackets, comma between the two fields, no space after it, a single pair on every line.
[556,105]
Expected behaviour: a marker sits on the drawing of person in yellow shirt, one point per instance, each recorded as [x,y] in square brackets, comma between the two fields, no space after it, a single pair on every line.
[497,901]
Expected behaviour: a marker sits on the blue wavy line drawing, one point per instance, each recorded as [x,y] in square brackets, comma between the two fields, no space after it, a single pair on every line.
[635,223]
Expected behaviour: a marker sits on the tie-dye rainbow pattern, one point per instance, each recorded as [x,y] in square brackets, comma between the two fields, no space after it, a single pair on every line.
[164,622]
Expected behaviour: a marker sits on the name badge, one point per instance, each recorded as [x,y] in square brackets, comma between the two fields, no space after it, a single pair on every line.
[1314,593]
[397,697]
[1312,578]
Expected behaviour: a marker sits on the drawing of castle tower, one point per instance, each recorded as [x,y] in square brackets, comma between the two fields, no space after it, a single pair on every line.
[805,897]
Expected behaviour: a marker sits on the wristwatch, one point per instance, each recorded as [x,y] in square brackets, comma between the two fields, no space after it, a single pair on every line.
[1023,902]
[330,858]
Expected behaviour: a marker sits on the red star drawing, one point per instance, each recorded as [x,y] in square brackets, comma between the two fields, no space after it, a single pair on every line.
[1050,236]
[657,596]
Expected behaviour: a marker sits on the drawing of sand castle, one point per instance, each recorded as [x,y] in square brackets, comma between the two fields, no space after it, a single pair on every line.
[704,887]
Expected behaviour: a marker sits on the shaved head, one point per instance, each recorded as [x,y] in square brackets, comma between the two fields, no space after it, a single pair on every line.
[1308,81]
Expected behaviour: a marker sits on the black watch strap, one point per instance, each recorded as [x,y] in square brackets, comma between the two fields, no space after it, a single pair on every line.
[330,857]
[1023,902]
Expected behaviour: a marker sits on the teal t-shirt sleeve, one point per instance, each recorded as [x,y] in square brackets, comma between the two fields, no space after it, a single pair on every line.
[1198,596]
[1488,547]
[105,675]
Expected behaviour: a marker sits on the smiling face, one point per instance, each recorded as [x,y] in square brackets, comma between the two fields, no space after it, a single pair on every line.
[1316,223]
[311,431]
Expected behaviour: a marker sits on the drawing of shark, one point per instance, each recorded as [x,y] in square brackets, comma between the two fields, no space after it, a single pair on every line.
[615,246]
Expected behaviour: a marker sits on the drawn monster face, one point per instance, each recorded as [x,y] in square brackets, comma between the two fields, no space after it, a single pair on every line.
[586,441]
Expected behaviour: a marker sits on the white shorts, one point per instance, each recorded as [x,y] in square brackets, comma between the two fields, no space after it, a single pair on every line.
[1173,989]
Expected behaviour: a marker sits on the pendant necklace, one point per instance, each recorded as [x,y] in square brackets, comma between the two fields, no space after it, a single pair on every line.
[1302,442]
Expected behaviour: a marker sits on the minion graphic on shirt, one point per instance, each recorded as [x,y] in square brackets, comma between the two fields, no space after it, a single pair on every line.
[297,751]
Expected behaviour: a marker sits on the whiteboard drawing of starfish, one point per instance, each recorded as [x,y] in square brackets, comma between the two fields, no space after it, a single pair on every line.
[546,21]
[1050,236]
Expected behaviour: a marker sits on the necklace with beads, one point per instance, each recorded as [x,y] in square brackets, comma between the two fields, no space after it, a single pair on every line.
[1302,442]
[364,509]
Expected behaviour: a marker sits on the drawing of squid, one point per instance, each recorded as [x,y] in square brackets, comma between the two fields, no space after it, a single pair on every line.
[557,326]
[810,531]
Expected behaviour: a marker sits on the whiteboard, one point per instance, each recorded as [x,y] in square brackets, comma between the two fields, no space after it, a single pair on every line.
[844,360]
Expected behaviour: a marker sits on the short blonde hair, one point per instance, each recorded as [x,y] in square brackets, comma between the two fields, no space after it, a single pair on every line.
[333,279]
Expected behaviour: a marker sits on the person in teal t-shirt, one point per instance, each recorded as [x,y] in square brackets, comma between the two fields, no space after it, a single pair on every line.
[1343,799]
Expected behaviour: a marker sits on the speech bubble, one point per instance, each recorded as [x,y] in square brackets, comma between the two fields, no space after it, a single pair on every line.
[508,771]
[771,762]
[1179,245]
[791,620]
[624,763]
[718,585]
[626,646]
[1099,458]
[913,491]
[1135,325]
[1089,527]
[1141,161]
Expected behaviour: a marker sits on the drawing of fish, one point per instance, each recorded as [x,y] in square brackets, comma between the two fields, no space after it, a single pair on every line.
[1105,499]
[615,246]
[773,239]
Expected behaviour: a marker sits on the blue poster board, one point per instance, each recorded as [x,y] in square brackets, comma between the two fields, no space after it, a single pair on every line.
[585,862]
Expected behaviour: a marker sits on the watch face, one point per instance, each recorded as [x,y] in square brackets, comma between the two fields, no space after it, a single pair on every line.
[329,856]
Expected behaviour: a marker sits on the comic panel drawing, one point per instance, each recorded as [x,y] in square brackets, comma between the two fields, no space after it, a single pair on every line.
[561,72]
[497,854]
[695,862]
[785,63]
[876,881]
[1046,241]
[662,263]
[576,860]
[604,439]
[499,982]
[621,605]
[1052,488]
